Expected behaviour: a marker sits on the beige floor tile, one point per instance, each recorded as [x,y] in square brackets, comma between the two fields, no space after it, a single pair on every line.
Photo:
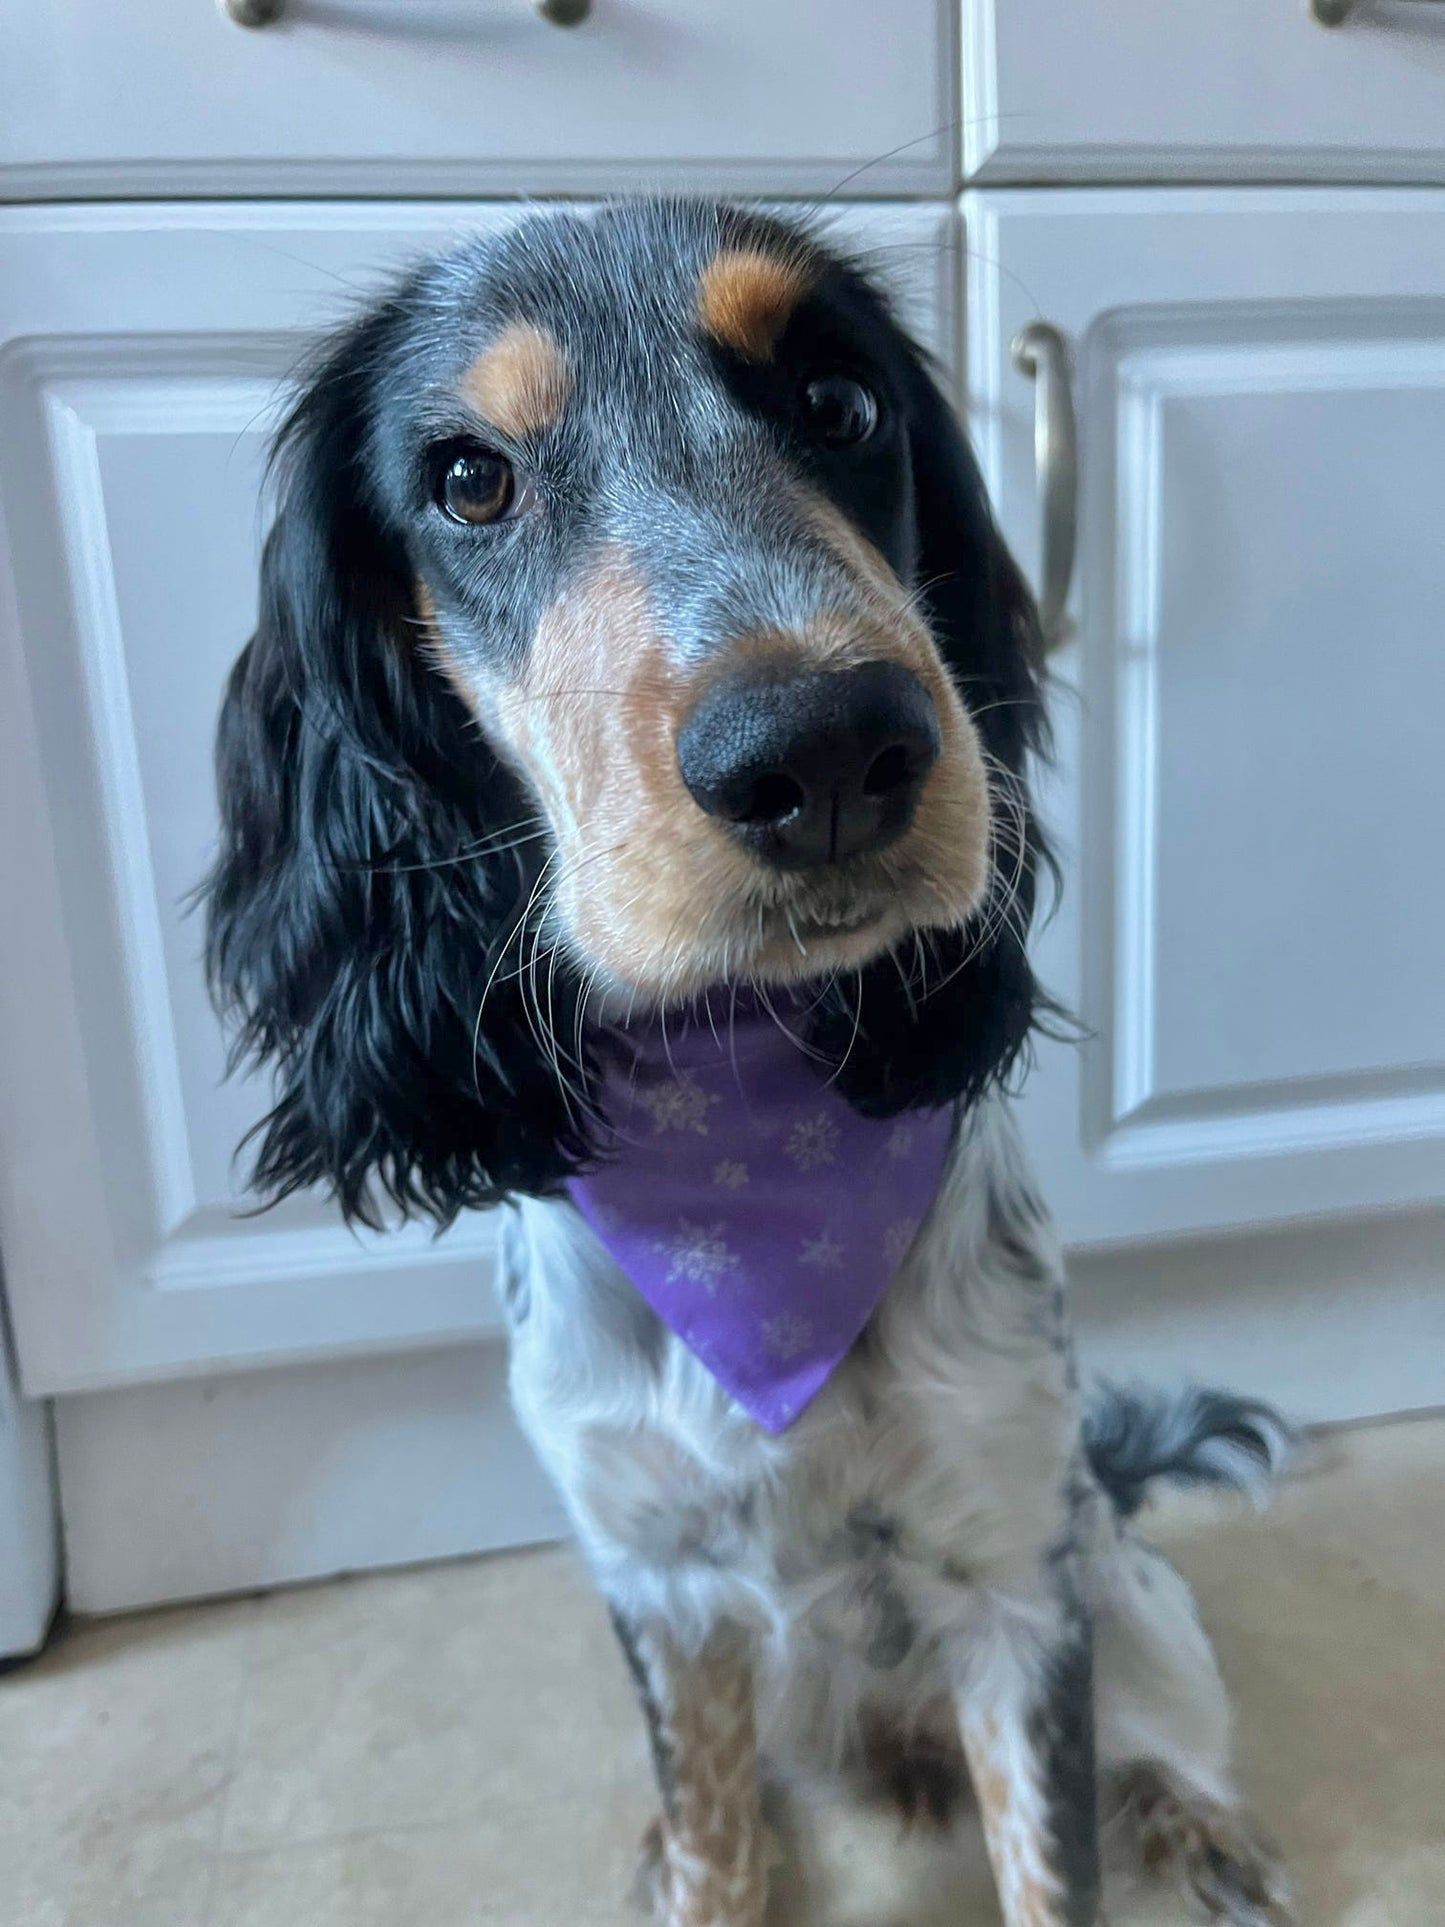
[1370,1497]
[458,1747]
[1339,1684]
[115,1750]
[421,1698]
[566,1864]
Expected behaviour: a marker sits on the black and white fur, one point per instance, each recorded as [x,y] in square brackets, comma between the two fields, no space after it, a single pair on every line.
[937,1563]
[933,1530]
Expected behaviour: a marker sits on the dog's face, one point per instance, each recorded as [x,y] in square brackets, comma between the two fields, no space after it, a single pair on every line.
[633,622]
[655,475]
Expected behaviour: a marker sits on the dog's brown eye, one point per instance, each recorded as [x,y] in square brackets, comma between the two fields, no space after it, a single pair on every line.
[839,411]
[477,486]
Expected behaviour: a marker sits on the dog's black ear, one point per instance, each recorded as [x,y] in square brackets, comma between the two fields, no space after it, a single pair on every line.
[947,1019]
[370,874]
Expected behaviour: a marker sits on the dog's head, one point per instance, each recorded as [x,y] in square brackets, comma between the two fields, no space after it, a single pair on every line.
[633,623]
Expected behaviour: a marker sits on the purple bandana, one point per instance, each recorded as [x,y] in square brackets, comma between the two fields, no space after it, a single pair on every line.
[758,1214]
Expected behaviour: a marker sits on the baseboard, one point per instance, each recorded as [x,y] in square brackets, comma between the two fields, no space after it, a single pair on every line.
[29,1543]
[1334,1321]
[175,1491]
[181,1490]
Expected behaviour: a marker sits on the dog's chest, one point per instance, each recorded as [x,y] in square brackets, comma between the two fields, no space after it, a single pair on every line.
[868,1529]
[932,1466]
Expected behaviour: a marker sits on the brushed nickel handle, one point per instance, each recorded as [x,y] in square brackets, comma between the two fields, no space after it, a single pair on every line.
[1334,13]
[263,13]
[1041,352]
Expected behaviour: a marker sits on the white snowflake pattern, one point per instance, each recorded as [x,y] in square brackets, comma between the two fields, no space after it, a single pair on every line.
[813,1142]
[897,1238]
[698,1255]
[731,1175]
[788,1336]
[681,1105]
[900,1141]
[823,1253]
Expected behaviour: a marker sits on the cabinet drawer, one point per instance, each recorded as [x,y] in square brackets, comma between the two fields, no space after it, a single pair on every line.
[1241,89]
[142,355]
[169,97]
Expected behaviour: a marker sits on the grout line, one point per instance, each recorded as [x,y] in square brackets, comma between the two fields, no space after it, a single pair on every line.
[233,1755]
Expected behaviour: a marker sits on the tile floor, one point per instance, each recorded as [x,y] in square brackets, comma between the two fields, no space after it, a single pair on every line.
[457,1747]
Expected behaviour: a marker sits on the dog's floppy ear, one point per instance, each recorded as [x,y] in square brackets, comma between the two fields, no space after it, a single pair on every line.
[947,1019]
[370,873]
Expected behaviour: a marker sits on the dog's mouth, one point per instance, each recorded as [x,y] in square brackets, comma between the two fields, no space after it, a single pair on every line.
[818,928]
[797,938]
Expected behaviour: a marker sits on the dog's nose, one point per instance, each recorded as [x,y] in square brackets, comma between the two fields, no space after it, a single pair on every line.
[812,769]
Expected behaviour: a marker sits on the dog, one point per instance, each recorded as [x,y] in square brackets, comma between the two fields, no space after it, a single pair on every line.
[643,700]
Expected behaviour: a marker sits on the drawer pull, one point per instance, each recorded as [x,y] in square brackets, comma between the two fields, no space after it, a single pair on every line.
[262,13]
[1334,13]
[1042,353]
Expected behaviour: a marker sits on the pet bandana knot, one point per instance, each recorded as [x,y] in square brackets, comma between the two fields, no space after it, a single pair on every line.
[757,1213]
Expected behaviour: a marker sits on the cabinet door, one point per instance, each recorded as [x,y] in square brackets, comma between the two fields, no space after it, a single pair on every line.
[1236,89]
[1250,787]
[168,97]
[142,356]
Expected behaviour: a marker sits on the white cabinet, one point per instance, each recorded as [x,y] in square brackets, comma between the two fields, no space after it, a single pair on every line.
[142,355]
[167,97]
[472,97]
[1250,790]
[1158,90]
[1249,794]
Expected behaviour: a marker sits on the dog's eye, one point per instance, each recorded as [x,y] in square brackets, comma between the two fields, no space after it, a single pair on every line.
[475,485]
[838,411]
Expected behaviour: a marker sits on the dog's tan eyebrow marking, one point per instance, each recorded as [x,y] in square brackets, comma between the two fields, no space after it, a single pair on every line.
[520,382]
[433,644]
[746,297]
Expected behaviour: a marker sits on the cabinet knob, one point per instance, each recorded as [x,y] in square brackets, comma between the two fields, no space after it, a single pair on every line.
[262,13]
[1041,352]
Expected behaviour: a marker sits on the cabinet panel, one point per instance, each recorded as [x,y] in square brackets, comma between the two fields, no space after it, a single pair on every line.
[143,360]
[1239,89]
[475,96]
[1249,790]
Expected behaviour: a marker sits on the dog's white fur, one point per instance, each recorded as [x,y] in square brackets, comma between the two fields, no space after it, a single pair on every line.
[891,1550]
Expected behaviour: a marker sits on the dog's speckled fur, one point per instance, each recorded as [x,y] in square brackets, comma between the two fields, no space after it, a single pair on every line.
[456,844]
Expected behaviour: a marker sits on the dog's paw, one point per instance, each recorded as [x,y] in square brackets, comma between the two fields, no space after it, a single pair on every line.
[1207,1851]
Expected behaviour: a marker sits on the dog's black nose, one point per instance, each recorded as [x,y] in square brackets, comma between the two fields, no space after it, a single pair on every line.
[811,769]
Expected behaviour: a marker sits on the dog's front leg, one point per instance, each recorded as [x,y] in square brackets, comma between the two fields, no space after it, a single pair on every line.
[710,1861]
[1027,1719]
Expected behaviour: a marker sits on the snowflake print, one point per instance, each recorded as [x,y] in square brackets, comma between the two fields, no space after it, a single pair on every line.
[788,1336]
[730,1174]
[699,1256]
[823,1253]
[679,1106]
[813,1142]
[897,1238]
[900,1141]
